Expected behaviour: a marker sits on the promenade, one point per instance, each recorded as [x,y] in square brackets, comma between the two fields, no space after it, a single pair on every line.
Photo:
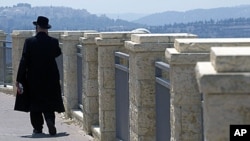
[15,126]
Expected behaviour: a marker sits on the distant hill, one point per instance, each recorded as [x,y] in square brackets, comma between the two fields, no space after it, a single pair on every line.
[20,17]
[217,22]
[171,17]
[228,28]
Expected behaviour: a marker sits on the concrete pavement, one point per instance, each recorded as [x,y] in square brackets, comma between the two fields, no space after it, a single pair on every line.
[15,126]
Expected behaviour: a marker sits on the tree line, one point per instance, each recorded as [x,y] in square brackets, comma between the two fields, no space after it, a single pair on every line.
[234,28]
[20,17]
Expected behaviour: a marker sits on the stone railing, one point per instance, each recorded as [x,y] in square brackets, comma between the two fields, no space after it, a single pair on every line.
[144,50]
[186,111]
[181,51]
[224,83]
[5,64]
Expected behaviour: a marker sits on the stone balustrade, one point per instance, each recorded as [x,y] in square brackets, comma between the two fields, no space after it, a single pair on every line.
[144,50]
[70,39]
[203,45]
[224,83]
[186,111]
[219,80]
[108,43]
[18,38]
[2,38]
[90,81]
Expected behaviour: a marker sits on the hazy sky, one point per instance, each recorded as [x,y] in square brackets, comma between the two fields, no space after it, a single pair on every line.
[131,6]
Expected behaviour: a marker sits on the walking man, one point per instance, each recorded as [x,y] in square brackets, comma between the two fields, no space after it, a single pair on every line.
[39,76]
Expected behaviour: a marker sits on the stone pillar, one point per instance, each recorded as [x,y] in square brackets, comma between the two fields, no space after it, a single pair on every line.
[224,83]
[185,97]
[2,63]
[2,35]
[108,43]
[69,42]
[90,81]
[59,59]
[144,50]
[18,39]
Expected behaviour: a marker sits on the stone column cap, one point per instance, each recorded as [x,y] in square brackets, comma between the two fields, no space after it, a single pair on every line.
[91,34]
[204,44]
[89,38]
[212,82]
[56,34]
[57,31]
[231,59]
[74,35]
[175,57]
[22,33]
[115,35]
[159,38]
[154,42]
[2,33]
[146,47]
[112,38]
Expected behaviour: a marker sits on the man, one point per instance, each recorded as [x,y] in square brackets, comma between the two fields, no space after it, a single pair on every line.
[39,75]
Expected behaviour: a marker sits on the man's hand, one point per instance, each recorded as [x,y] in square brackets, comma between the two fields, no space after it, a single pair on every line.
[19,88]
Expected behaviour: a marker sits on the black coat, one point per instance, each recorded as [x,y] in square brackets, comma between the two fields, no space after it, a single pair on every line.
[39,70]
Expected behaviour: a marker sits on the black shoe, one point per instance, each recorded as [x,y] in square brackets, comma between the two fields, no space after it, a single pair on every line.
[37,131]
[52,128]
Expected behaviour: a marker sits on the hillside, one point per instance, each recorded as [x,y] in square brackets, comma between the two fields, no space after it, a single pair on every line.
[171,17]
[228,28]
[21,16]
[205,23]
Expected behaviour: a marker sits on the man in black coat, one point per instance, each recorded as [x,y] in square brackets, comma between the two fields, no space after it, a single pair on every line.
[40,77]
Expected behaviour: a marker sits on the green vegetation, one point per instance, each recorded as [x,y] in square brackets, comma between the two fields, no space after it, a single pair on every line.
[20,17]
[211,29]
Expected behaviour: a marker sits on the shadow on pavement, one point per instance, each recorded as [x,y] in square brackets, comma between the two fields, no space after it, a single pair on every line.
[43,135]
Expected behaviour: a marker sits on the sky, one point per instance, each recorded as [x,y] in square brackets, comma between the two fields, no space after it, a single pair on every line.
[131,6]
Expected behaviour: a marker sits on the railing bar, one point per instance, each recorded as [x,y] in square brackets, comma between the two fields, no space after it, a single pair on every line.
[79,54]
[163,82]
[5,41]
[162,65]
[79,46]
[6,60]
[4,64]
[121,67]
[6,47]
[122,55]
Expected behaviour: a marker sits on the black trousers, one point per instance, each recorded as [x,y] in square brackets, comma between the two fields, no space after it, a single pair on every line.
[37,119]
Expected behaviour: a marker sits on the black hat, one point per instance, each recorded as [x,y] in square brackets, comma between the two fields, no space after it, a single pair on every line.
[43,22]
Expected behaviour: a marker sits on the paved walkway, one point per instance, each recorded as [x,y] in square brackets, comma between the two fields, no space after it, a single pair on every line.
[15,126]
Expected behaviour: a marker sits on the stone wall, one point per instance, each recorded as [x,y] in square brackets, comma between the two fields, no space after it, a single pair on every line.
[90,81]
[108,43]
[224,83]
[186,112]
[69,42]
[98,88]
[18,38]
[144,50]
[2,38]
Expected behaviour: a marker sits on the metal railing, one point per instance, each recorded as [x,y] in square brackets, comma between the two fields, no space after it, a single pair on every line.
[122,95]
[5,63]
[162,86]
[79,75]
